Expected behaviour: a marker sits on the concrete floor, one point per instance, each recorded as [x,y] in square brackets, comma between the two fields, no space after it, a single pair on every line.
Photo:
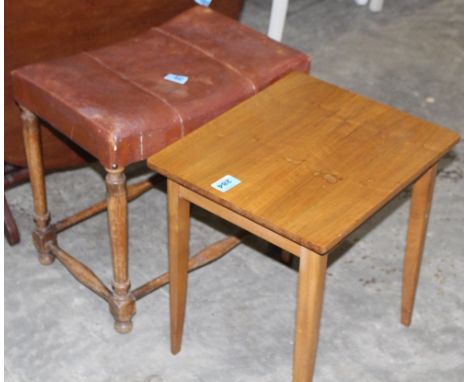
[241,309]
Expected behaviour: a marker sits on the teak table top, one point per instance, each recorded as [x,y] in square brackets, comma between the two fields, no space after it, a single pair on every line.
[314,160]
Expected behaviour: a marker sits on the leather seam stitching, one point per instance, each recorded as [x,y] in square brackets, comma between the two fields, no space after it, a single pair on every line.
[142,88]
[210,55]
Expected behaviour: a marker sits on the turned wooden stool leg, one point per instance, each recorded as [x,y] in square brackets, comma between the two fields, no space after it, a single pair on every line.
[123,304]
[312,271]
[178,241]
[419,216]
[43,233]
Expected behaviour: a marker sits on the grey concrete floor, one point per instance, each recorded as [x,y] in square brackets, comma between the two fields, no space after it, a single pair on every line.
[240,316]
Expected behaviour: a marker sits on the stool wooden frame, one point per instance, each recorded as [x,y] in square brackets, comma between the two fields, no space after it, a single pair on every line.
[312,268]
[121,298]
[119,131]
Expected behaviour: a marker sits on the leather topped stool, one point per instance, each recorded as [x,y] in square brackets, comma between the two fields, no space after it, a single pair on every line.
[116,103]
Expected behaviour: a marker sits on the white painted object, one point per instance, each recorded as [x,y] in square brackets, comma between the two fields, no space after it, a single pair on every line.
[279,10]
[376,5]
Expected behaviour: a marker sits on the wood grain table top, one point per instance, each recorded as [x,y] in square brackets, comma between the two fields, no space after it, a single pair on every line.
[314,160]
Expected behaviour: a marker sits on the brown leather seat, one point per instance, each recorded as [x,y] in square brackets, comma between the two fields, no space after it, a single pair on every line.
[115,103]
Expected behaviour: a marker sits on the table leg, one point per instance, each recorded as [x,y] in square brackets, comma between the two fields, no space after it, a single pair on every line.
[279,11]
[376,5]
[286,257]
[312,271]
[11,229]
[418,219]
[178,240]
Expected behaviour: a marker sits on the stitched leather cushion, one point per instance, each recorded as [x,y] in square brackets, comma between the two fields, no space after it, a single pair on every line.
[115,103]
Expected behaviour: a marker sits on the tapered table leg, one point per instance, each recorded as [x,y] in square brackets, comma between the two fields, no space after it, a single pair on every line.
[419,216]
[43,232]
[123,304]
[178,239]
[312,271]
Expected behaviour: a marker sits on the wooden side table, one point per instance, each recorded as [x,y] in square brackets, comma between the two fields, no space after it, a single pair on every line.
[302,165]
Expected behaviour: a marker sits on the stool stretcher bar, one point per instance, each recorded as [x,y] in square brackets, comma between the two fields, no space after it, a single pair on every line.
[81,272]
[133,192]
[88,278]
[205,256]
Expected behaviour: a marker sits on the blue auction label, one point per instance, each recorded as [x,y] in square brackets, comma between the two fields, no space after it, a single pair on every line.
[177,78]
[225,183]
[204,3]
